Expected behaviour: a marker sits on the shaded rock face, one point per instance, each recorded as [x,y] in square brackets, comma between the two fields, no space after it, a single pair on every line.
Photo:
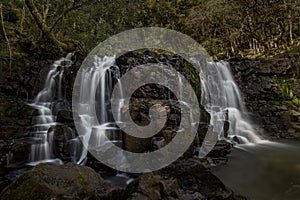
[69,181]
[62,134]
[146,96]
[146,186]
[271,89]
[190,179]
[220,150]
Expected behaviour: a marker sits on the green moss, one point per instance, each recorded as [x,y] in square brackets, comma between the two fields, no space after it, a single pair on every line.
[85,189]
[81,180]
[290,105]
[296,102]
[287,88]
[194,75]
[23,189]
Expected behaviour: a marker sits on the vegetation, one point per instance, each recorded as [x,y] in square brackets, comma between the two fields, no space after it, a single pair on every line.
[225,28]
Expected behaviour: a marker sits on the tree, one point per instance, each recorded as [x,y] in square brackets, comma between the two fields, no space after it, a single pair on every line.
[47,30]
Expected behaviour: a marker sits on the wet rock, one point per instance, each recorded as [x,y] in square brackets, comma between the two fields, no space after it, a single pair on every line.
[25,111]
[203,124]
[68,181]
[20,151]
[226,127]
[139,112]
[61,145]
[137,145]
[151,187]
[4,183]
[65,116]
[190,195]
[221,149]
[4,153]
[133,59]
[194,178]
[147,186]
[157,143]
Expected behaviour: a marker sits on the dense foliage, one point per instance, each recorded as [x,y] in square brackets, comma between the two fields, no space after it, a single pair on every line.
[226,28]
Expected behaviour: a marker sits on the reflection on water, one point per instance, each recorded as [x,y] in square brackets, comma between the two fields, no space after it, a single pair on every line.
[264,171]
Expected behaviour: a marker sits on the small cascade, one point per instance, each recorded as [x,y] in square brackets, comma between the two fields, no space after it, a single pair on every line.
[222,99]
[43,104]
[102,78]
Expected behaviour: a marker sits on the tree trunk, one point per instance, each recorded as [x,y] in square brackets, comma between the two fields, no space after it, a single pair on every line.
[44,28]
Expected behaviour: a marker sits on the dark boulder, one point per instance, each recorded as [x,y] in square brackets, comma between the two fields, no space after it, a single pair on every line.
[68,181]
[196,181]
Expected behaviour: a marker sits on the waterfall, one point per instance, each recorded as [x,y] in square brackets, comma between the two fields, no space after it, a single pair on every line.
[101,77]
[222,99]
[43,104]
[94,114]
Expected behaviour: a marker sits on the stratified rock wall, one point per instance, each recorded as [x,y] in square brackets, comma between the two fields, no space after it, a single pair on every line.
[271,89]
[146,96]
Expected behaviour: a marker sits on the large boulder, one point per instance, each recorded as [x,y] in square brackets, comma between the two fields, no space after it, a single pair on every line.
[194,177]
[151,187]
[147,187]
[68,181]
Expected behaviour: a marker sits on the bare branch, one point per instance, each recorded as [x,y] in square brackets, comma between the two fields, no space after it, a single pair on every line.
[44,28]
[6,38]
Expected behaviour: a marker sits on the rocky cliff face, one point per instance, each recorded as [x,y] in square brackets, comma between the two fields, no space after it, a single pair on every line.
[44,179]
[271,89]
[148,95]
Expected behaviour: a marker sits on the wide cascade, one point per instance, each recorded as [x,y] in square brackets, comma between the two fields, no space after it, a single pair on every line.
[93,111]
[222,99]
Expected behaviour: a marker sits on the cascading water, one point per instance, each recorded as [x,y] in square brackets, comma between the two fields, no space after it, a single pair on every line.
[220,96]
[44,103]
[98,129]
[222,99]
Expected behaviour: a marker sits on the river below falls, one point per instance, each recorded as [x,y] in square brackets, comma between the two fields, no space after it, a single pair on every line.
[269,170]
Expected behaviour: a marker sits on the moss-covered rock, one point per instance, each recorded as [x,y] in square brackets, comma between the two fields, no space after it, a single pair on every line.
[69,181]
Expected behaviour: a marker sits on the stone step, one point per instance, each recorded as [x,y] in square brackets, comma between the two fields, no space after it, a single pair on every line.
[37,128]
[37,133]
[31,140]
[43,119]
